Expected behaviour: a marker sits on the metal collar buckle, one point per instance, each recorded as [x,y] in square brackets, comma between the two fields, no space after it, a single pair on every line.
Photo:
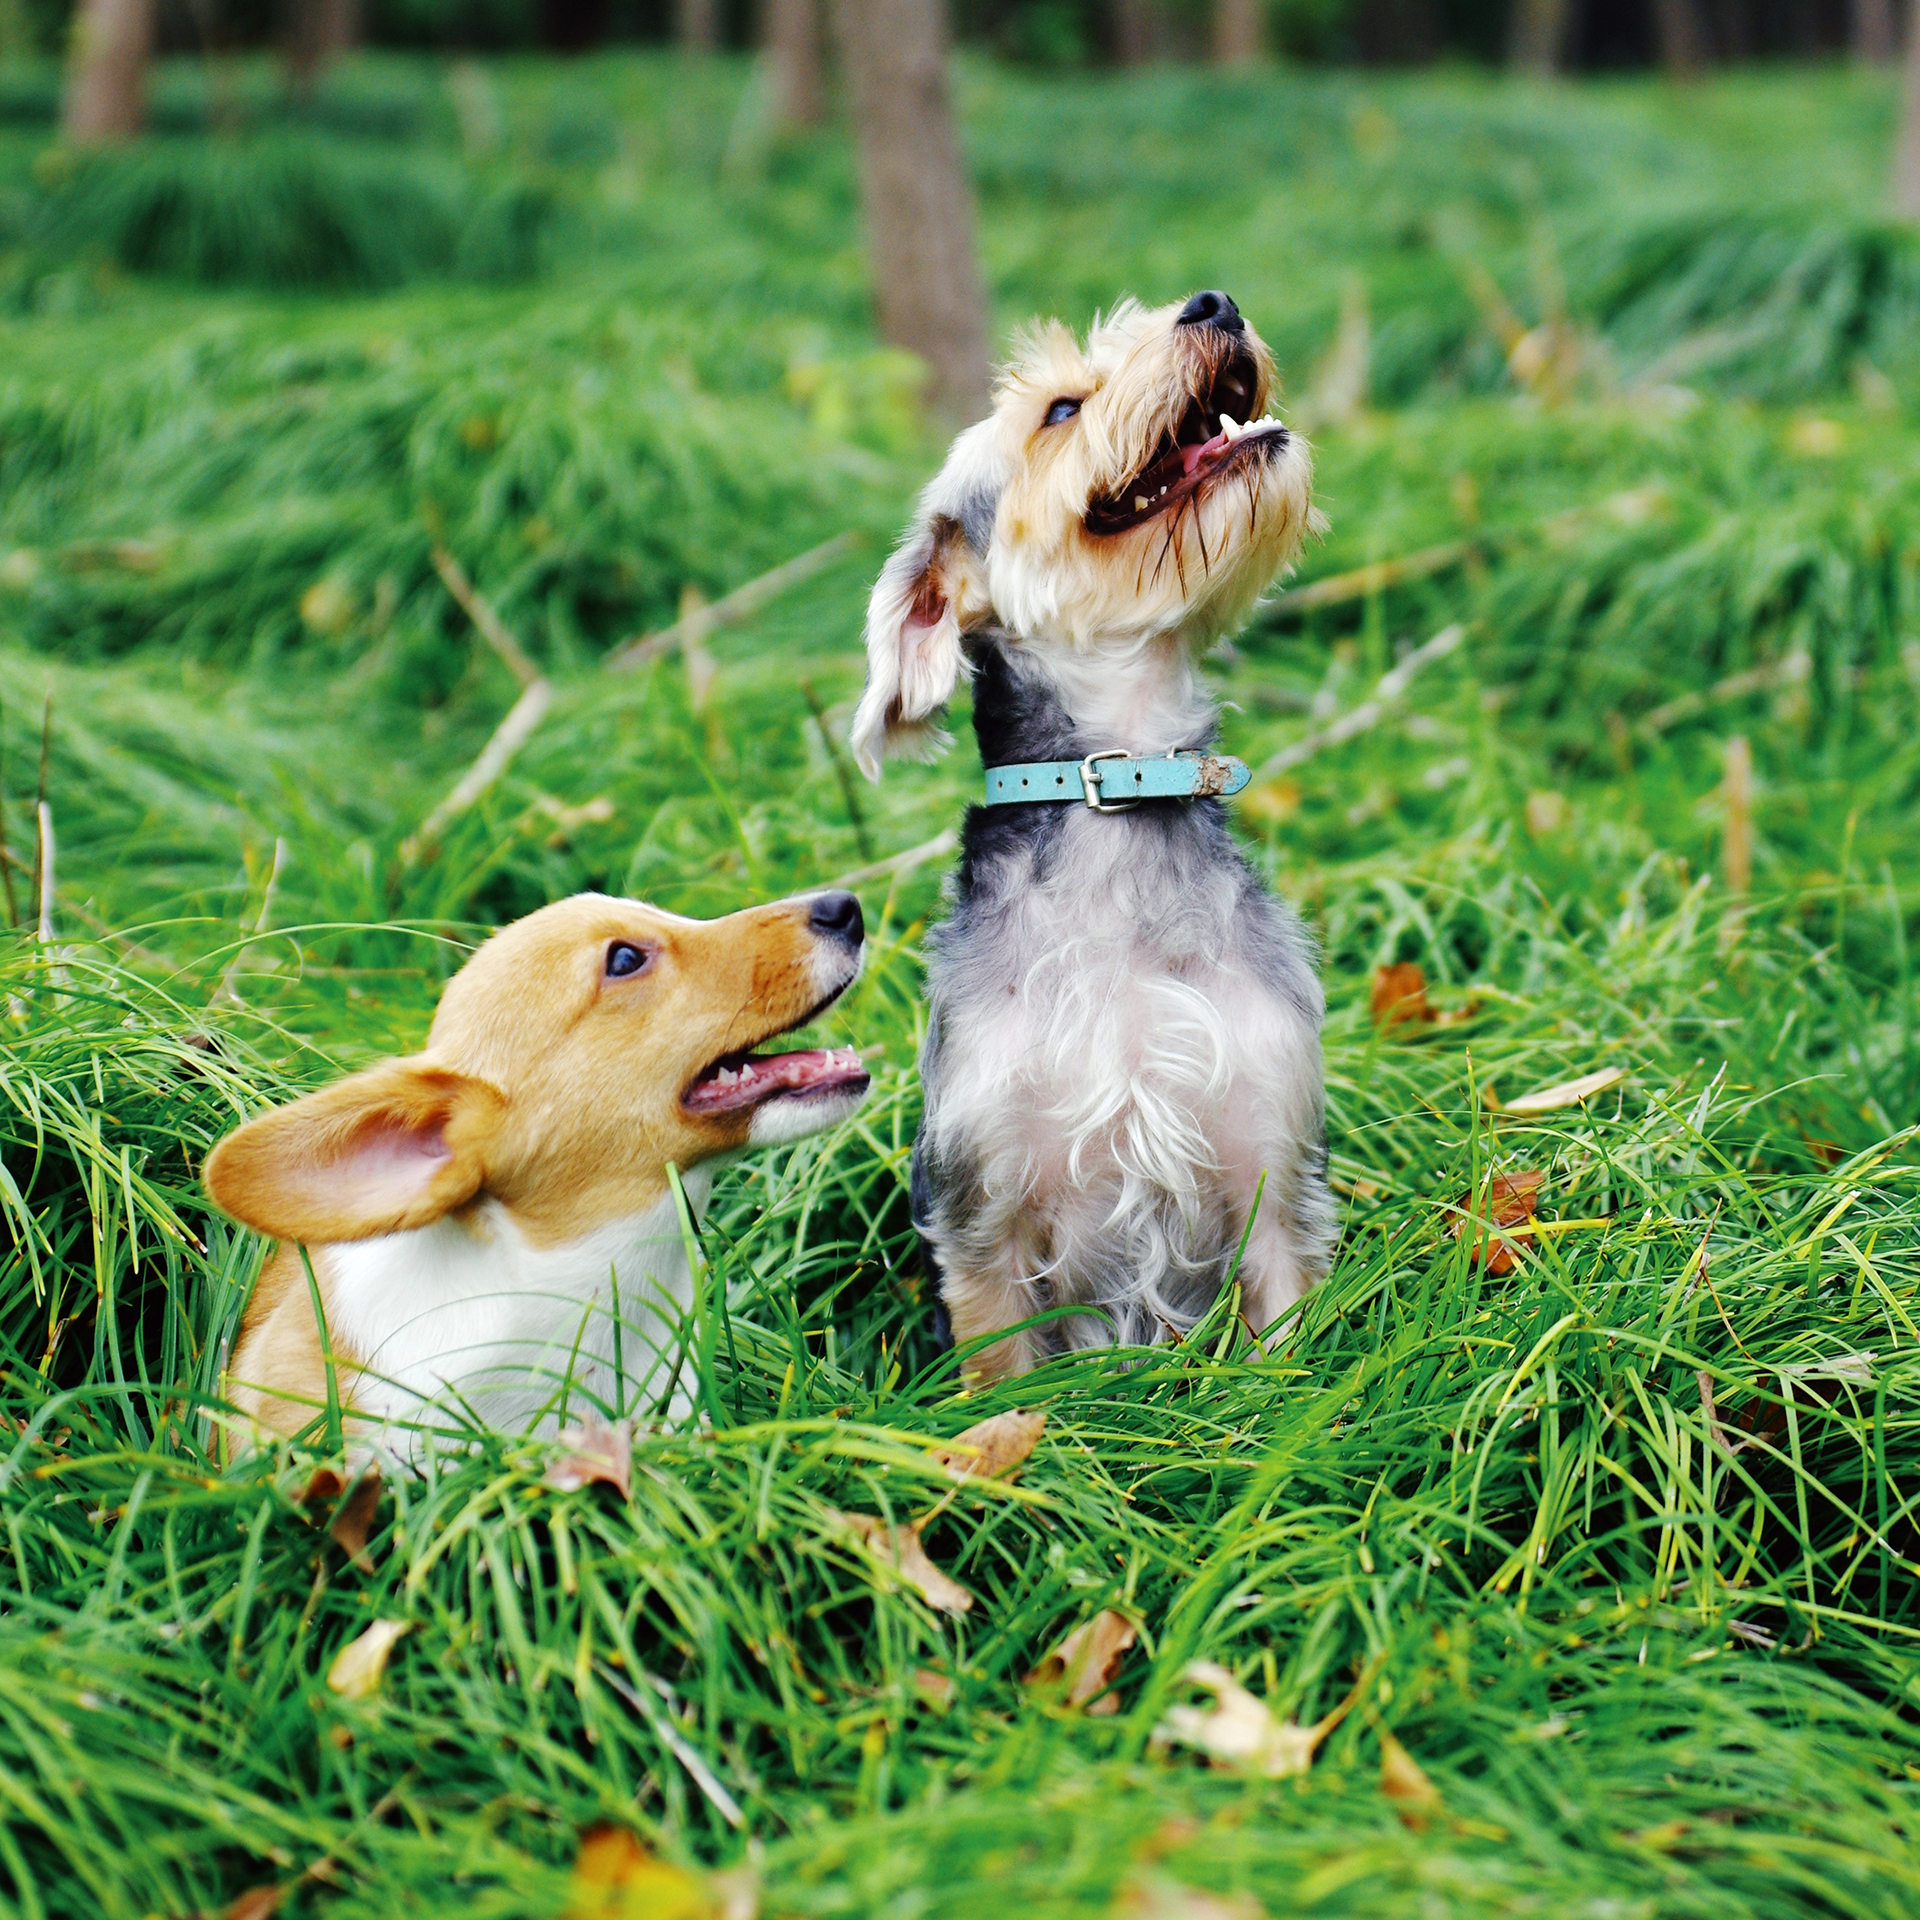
[1090,781]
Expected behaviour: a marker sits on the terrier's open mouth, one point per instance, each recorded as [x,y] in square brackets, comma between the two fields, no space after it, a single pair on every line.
[1211,435]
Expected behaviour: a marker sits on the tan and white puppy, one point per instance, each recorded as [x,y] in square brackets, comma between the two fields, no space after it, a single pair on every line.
[1123,1028]
[489,1222]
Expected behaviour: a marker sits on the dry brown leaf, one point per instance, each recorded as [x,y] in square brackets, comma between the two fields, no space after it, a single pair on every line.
[1511,1202]
[323,1484]
[257,1903]
[1401,1779]
[353,1518]
[1240,1731]
[1569,1093]
[933,1689]
[990,1448]
[1153,1896]
[901,1549]
[357,1667]
[595,1451]
[1088,1658]
[616,1877]
[1400,995]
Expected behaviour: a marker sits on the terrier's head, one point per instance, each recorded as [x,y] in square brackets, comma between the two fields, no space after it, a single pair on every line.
[1124,492]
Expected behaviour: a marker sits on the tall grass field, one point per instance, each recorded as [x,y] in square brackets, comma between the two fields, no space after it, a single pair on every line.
[1583,1556]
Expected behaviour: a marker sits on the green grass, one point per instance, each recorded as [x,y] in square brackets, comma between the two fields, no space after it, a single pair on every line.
[1653,1666]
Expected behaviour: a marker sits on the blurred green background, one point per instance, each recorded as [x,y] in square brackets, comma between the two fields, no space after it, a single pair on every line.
[1618,370]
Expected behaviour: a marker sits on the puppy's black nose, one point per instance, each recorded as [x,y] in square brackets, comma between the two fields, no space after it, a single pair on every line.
[837,916]
[1212,309]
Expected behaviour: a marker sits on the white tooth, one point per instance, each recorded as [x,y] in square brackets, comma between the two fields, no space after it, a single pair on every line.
[1163,493]
[1231,427]
[1139,503]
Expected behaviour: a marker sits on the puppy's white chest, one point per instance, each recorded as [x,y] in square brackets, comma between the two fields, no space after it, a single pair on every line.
[468,1316]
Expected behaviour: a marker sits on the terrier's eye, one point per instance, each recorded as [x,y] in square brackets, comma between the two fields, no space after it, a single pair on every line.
[1061,410]
[623,958]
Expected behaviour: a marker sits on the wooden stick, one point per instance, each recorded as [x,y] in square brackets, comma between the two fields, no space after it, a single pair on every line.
[492,628]
[1796,666]
[1338,588]
[6,856]
[507,740]
[700,622]
[43,868]
[937,848]
[40,792]
[1629,508]
[1736,847]
[1370,712]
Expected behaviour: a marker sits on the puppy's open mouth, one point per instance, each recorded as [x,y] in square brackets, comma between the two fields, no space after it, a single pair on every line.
[1210,436]
[740,1080]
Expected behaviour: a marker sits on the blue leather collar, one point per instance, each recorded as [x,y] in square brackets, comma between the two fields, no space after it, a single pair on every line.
[1114,781]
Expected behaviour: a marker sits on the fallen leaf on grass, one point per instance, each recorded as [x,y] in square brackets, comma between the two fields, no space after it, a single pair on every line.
[1400,995]
[1088,1658]
[615,1877]
[1569,1093]
[595,1451]
[990,1448]
[1401,1779]
[1239,1730]
[1399,999]
[933,1689]
[1155,1897]
[323,1484]
[257,1903]
[1511,1202]
[357,1667]
[900,1547]
[353,1519]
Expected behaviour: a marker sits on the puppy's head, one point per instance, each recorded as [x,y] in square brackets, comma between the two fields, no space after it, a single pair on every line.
[574,1055]
[1128,489]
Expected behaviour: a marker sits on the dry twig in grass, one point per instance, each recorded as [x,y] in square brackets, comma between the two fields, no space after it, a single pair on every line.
[507,739]
[942,844]
[480,611]
[698,622]
[1371,711]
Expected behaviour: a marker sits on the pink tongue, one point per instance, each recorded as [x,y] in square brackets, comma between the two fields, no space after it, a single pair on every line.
[1190,457]
[754,1080]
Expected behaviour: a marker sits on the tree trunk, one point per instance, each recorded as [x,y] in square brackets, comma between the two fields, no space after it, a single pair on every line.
[1873,33]
[793,61]
[696,25]
[918,204]
[1682,37]
[1239,32]
[1906,151]
[322,31]
[1132,32]
[1539,38]
[107,74]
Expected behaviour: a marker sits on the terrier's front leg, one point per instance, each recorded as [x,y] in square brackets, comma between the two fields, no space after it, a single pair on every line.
[1291,1245]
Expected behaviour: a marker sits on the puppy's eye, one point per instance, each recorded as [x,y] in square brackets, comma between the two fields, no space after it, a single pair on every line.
[1062,411]
[624,958]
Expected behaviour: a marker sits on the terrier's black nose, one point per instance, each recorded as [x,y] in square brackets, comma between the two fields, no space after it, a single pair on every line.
[1212,309]
[837,915]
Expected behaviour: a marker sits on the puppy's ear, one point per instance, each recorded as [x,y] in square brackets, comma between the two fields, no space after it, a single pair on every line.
[392,1148]
[932,591]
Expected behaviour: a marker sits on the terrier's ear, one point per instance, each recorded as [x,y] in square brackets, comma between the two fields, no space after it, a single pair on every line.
[392,1148]
[933,590]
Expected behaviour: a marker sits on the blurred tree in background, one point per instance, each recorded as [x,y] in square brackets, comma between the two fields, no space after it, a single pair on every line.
[1541,36]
